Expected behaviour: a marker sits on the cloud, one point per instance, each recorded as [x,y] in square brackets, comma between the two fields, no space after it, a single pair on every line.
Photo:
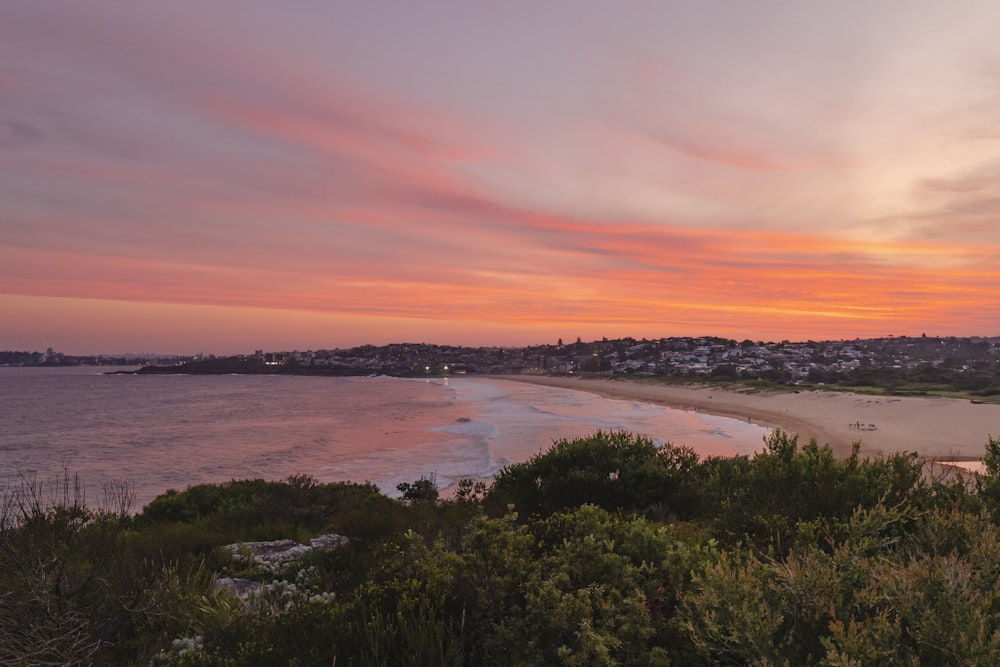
[16,134]
[260,159]
[579,272]
[722,152]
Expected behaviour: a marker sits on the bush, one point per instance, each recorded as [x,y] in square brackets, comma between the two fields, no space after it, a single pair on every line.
[764,498]
[610,470]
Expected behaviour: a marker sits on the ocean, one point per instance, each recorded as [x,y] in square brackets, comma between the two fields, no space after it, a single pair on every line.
[161,432]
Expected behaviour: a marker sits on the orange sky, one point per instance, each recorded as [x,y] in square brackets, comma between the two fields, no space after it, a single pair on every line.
[181,178]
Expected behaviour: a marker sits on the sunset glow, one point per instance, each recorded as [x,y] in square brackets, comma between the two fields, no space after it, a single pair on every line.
[228,176]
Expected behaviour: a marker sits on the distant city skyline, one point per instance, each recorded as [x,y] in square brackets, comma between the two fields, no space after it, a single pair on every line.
[222,177]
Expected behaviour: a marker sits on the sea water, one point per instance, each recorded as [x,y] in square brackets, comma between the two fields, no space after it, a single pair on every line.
[159,432]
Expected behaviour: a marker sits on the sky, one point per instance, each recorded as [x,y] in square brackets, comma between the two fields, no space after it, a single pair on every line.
[222,176]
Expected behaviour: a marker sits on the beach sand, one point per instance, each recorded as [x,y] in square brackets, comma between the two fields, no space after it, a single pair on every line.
[934,428]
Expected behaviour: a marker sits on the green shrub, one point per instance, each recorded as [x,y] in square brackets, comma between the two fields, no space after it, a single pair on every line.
[610,470]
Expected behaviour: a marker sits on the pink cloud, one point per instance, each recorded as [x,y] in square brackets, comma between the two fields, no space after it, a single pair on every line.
[603,275]
[723,153]
[168,161]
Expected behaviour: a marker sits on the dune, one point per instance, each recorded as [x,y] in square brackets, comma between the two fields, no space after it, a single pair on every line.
[935,428]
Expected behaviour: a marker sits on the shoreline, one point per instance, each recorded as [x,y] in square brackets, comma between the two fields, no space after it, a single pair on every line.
[939,429]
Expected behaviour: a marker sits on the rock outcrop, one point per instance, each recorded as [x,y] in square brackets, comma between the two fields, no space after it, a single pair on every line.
[273,556]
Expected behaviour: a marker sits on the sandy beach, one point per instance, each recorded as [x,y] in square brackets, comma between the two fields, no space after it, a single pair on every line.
[935,428]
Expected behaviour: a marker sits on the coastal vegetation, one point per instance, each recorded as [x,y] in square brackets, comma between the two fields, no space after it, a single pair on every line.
[603,550]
